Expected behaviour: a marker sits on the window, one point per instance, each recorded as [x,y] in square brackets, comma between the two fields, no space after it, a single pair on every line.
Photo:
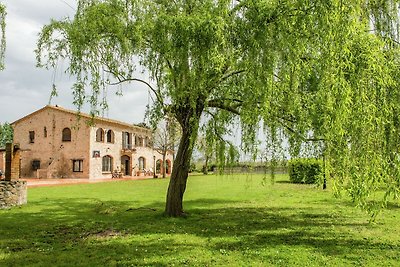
[110,136]
[126,140]
[66,135]
[142,163]
[77,165]
[99,135]
[138,141]
[31,136]
[147,141]
[107,164]
[45,131]
[35,164]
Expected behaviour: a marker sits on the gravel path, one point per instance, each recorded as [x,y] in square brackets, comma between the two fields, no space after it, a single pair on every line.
[34,182]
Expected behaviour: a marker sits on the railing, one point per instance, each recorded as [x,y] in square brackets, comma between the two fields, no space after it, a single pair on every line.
[127,146]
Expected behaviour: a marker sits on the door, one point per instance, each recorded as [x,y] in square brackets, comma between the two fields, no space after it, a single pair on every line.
[126,165]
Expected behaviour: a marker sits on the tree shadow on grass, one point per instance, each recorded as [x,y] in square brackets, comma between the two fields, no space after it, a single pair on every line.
[81,232]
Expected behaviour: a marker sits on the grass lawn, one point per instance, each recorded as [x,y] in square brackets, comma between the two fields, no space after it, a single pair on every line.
[233,221]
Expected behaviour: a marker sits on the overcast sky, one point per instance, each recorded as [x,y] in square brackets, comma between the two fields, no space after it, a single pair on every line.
[25,88]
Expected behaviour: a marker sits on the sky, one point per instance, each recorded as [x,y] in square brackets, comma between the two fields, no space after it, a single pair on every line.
[24,88]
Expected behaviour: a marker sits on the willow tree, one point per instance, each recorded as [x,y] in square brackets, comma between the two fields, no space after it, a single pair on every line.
[2,34]
[319,71]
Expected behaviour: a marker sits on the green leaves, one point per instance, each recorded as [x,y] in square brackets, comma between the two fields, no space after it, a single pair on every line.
[319,71]
[6,134]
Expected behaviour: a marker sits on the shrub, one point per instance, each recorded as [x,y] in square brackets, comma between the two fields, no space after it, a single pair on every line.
[192,167]
[305,170]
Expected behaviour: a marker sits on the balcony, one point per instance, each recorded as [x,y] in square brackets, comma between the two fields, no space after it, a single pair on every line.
[127,148]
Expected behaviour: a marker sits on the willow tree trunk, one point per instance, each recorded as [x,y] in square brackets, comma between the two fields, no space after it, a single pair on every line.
[177,184]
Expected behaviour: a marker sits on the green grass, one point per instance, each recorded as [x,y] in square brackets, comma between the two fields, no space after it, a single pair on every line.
[233,221]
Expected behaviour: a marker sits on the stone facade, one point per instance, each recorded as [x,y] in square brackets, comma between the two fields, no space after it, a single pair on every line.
[12,193]
[15,157]
[57,143]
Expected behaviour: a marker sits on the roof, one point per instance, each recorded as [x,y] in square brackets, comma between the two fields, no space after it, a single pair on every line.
[84,115]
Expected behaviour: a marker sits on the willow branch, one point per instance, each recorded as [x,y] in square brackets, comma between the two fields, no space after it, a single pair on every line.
[217,134]
[214,84]
[290,129]
[122,79]
[171,68]
[221,105]
[225,77]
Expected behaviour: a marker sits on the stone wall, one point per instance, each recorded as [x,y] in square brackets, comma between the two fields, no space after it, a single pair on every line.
[12,193]
[15,163]
[47,147]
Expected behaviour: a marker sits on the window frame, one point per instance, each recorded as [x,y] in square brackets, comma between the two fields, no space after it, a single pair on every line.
[66,135]
[100,135]
[126,140]
[109,136]
[31,137]
[109,164]
[142,163]
[80,165]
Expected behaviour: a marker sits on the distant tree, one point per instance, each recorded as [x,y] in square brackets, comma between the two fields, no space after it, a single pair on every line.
[165,138]
[324,71]
[206,150]
[143,124]
[2,34]
[6,134]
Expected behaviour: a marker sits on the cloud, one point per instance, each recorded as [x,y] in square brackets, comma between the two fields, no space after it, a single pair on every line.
[25,88]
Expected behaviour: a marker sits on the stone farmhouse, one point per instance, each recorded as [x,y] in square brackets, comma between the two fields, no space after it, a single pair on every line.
[57,143]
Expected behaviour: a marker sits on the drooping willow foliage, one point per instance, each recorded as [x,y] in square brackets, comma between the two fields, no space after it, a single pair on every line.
[2,34]
[324,72]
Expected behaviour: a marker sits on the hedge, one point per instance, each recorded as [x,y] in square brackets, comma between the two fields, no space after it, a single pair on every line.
[306,171]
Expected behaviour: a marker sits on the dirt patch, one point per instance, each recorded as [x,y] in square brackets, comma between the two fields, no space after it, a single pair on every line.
[105,234]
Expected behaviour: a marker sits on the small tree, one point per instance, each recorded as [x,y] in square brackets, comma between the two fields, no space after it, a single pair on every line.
[207,150]
[165,138]
[6,134]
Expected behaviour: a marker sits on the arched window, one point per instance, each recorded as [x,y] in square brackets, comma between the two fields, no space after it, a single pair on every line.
[99,135]
[66,135]
[110,136]
[142,163]
[107,163]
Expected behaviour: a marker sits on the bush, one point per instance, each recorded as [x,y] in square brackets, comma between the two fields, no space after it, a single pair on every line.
[306,171]
[192,167]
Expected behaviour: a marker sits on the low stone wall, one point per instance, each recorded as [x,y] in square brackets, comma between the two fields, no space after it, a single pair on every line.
[12,193]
